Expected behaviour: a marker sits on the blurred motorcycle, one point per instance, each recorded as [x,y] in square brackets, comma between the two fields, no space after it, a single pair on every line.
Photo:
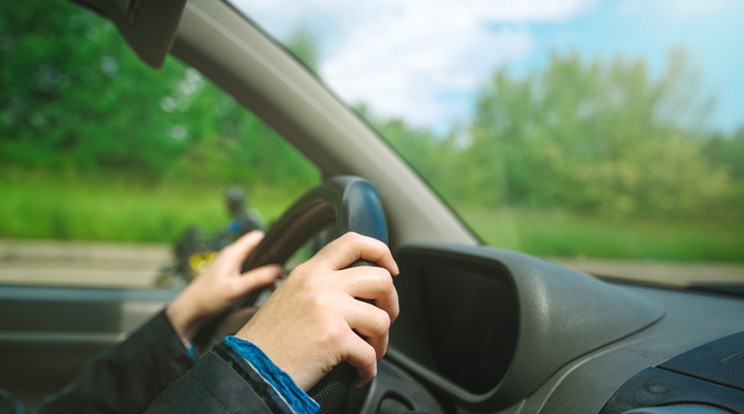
[193,252]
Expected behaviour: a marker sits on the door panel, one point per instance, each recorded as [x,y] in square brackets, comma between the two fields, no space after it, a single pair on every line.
[47,333]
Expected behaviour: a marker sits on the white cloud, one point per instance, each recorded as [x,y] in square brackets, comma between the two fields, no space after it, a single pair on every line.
[405,71]
[411,58]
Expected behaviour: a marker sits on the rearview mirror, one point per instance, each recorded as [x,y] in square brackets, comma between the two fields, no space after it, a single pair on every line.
[149,27]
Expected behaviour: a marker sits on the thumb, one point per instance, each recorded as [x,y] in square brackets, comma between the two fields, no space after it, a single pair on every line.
[236,253]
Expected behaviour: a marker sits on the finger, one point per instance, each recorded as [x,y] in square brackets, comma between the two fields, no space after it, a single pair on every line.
[256,278]
[350,247]
[362,357]
[236,253]
[370,322]
[373,283]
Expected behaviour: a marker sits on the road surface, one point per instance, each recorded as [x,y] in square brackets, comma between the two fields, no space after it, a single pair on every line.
[136,265]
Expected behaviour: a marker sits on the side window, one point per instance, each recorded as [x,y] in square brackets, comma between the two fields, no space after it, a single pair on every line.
[115,174]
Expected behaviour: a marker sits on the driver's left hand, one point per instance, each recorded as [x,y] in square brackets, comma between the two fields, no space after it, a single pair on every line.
[219,287]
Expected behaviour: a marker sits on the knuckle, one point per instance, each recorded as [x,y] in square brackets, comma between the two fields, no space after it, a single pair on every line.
[370,361]
[352,234]
[316,302]
[385,279]
[352,237]
[334,334]
[300,269]
[394,313]
[383,321]
[306,279]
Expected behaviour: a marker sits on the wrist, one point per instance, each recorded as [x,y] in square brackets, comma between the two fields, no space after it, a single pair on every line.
[183,320]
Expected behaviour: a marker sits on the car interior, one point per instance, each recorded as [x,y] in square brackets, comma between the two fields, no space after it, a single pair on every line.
[481,329]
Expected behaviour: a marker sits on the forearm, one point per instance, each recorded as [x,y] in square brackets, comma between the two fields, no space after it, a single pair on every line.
[127,377]
[224,381]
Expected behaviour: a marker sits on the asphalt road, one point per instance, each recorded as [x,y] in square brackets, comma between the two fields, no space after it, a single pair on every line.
[134,265]
[81,263]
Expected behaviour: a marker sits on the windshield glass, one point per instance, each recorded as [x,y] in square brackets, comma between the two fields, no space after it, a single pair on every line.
[604,135]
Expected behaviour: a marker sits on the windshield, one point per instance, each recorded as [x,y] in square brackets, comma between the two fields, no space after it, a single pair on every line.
[604,135]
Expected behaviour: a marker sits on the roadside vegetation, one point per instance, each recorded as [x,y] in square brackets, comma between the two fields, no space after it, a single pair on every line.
[584,158]
[40,206]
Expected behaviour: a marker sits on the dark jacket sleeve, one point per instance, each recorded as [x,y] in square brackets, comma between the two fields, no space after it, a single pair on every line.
[127,377]
[221,382]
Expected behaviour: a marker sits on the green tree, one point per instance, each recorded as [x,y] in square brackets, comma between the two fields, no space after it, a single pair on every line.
[229,144]
[76,98]
[727,152]
[593,137]
[72,92]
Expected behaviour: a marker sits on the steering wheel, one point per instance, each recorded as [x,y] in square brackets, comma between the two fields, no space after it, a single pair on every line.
[339,205]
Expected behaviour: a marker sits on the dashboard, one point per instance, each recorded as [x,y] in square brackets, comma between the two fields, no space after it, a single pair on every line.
[490,330]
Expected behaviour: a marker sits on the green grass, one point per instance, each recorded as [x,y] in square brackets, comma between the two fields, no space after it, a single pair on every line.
[75,209]
[44,207]
[554,233]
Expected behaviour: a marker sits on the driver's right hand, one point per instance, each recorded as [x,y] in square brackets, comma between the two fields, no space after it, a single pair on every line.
[315,319]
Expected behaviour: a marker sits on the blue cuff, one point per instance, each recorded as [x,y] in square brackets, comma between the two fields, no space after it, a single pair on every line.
[191,351]
[300,402]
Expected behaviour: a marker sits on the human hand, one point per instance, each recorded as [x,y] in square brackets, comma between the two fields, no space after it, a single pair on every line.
[310,324]
[219,287]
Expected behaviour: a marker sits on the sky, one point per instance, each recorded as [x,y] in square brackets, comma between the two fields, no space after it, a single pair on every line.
[424,60]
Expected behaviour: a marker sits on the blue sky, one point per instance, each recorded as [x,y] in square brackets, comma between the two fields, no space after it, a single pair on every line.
[711,33]
[424,60]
